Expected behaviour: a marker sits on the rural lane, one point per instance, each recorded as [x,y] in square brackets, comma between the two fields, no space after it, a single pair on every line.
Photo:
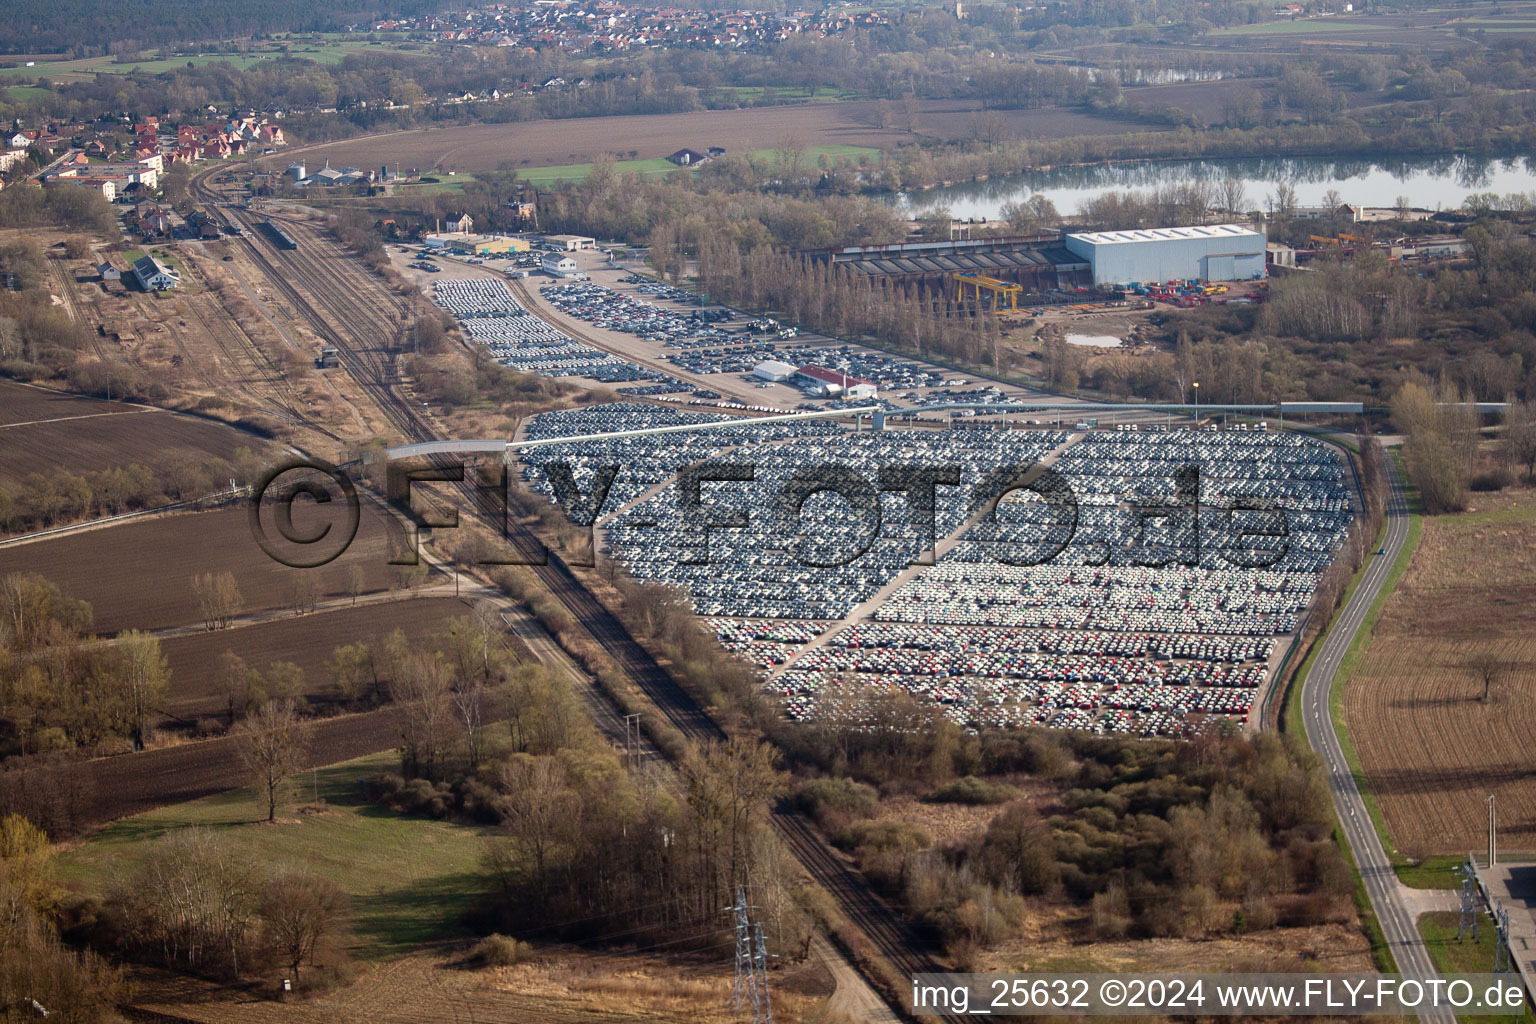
[1381,882]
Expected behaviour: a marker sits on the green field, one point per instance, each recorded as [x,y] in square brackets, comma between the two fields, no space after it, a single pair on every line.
[1305,26]
[1468,956]
[659,166]
[332,52]
[17,93]
[410,880]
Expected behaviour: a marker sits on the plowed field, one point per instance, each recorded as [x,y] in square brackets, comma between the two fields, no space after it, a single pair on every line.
[138,575]
[1432,747]
[22,404]
[306,640]
[91,441]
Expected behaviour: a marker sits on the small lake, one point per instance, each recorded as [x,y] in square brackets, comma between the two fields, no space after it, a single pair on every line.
[1434,183]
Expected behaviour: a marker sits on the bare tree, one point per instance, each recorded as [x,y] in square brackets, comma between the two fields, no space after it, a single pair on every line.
[357,581]
[1520,436]
[218,597]
[272,742]
[422,688]
[536,810]
[298,908]
[305,592]
[1489,668]
[911,112]
[144,675]
[1232,195]
[233,676]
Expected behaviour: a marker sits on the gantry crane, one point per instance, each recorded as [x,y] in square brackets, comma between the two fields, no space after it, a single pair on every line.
[1001,291]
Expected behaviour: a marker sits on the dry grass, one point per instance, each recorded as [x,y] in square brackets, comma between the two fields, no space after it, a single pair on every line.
[1431,746]
[431,985]
[1043,945]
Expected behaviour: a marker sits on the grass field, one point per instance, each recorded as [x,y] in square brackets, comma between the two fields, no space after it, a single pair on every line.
[329,52]
[1430,746]
[410,880]
[558,147]
[1303,27]
[1467,956]
[660,167]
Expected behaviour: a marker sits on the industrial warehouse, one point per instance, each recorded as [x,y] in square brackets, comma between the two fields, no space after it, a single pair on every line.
[1222,252]
[1028,270]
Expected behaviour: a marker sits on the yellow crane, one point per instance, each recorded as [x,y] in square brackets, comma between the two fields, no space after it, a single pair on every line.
[1000,290]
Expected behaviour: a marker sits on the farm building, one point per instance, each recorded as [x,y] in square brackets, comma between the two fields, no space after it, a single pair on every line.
[1221,252]
[154,276]
[832,383]
[773,370]
[1038,263]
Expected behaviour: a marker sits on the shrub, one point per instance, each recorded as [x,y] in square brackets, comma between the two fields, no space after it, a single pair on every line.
[834,802]
[1494,480]
[882,836]
[971,790]
[501,951]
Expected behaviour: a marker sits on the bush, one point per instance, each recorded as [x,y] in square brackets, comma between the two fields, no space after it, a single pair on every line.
[835,802]
[1494,480]
[971,790]
[501,951]
[882,836]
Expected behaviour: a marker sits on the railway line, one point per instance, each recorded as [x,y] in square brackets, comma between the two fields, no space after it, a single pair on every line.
[890,934]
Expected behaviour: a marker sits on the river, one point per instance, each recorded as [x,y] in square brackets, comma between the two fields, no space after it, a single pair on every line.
[1434,183]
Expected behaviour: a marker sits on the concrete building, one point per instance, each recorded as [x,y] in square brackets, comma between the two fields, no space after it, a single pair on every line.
[1220,252]
[773,370]
[558,264]
[573,243]
[154,276]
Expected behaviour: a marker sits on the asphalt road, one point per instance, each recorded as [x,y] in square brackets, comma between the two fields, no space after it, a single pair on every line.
[1381,882]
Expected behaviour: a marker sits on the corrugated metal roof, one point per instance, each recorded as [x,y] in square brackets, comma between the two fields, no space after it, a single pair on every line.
[1224,231]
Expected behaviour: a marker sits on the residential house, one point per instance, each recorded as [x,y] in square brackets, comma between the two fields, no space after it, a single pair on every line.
[152,219]
[688,157]
[108,272]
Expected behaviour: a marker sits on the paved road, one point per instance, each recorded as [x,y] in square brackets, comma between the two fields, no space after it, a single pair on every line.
[1381,883]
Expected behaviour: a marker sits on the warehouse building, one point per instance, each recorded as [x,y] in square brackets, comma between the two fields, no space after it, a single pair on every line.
[773,370]
[1040,264]
[818,380]
[1220,252]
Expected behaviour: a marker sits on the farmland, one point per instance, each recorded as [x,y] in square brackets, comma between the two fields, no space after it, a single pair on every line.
[94,441]
[20,403]
[1431,747]
[557,144]
[327,53]
[139,575]
[306,640]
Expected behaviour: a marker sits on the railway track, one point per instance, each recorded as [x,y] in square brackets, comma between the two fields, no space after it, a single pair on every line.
[888,932]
